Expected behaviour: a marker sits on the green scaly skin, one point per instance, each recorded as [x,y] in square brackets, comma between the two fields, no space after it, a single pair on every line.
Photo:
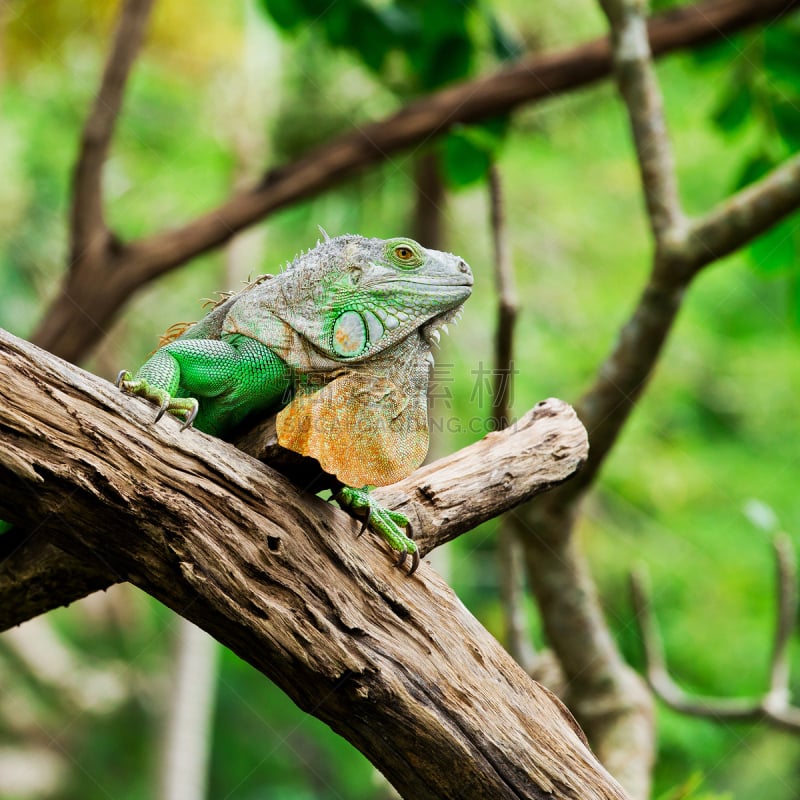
[349,324]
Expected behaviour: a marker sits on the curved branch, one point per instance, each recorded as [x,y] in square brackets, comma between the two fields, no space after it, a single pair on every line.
[739,219]
[533,78]
[279,577]
[88,229]
[773,707]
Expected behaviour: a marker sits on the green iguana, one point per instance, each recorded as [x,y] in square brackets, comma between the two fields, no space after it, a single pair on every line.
[340,343]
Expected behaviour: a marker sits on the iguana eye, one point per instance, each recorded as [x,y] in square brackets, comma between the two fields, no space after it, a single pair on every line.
[404,253]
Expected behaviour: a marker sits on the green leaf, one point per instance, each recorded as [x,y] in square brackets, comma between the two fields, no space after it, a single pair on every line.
[372,40]
[463,161]
[786,111]
[468,151]
[445,60]
[781,48]
[735,107]
[756,167]
[286,14]
[775,252]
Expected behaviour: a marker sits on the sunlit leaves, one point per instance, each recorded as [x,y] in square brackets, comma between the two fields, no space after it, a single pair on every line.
[761,101]
[735,107]
[434,44]
[468,151]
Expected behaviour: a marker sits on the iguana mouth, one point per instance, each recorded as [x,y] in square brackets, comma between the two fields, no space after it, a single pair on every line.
[431,330]
[426,286]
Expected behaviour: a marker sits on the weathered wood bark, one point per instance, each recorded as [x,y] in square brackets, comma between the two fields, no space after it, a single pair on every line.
[545,447]
[395,664]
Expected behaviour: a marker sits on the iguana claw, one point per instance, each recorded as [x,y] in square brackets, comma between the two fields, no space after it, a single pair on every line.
[384,521]
[183,407]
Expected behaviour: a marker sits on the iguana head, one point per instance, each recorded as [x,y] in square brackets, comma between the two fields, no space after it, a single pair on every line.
[352,297]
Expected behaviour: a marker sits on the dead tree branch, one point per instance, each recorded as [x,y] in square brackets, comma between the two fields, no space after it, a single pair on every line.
[86,305]
[546,446]
[774,706]
[279,577]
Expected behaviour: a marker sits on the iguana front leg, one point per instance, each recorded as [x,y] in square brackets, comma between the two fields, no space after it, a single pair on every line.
[212,383]
[160,389]
[384,521]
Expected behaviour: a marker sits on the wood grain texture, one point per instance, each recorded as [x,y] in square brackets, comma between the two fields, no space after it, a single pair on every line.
[396,665]
[545,447]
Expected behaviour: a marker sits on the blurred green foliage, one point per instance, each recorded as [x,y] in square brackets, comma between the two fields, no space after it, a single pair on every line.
[715,433]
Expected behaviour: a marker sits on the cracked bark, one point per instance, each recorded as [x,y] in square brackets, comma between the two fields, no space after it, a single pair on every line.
[396,665]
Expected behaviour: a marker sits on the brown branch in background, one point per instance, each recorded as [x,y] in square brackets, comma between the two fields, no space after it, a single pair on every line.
[536,77]
[774,706]
[85,306]
[596,675]
[635,74]
[507,303]
[427,224]
[88,228]
[509,551]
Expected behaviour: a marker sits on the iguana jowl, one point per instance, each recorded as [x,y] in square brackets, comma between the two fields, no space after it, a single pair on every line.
[340,342]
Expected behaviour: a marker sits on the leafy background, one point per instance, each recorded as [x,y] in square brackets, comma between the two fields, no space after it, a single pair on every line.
[706,469]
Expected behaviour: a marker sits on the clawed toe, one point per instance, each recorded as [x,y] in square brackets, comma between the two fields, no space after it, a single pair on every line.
[123,376]
[184,407]
[162,408]
[389,524]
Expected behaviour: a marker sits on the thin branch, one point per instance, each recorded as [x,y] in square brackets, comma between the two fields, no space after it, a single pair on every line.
[507,304]
[773,707]
[509,551]
[633,66]
[786,616]
[741,218]
[88,227]
[280,578]
[186,745]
